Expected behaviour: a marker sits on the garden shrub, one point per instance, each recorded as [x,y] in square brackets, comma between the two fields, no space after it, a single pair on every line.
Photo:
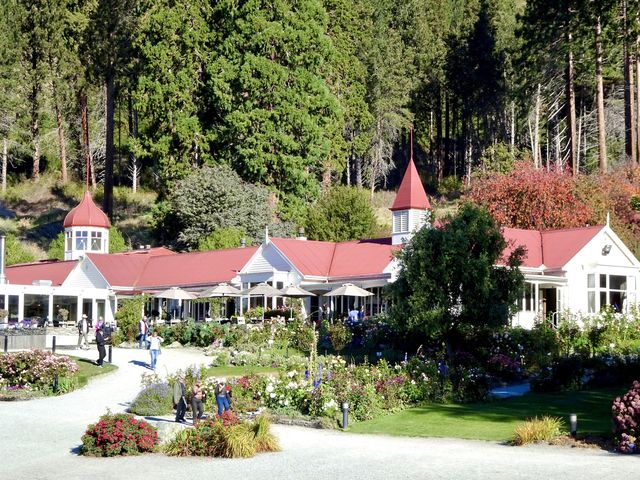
[118,434]
[224,436]
[339,335]
[626,420]
[534,430]
[427,383]
[37,369]
[128,316]
[156,399]
[470,384]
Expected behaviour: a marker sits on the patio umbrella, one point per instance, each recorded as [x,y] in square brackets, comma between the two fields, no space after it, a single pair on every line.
[348,290]
[175,293]
[293,291]
[221,290]
[265,290]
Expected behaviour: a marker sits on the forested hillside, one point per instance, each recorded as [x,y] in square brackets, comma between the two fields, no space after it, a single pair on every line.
[289,99]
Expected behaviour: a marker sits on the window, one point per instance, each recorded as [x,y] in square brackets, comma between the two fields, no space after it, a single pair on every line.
[400,221]
[68,237]
[611,290]
[528,299]
[96,241]
[82,240]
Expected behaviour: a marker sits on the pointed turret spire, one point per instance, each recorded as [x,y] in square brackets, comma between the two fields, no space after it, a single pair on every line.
[411,193]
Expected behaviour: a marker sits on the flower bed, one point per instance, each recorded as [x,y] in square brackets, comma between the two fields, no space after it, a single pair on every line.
[36,370]
[626,420]
[118,434]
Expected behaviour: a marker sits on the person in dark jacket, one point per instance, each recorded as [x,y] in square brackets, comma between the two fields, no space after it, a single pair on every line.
[179,400]
[101,341]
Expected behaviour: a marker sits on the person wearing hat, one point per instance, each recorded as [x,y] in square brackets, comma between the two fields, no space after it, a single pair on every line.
[223,396]
[179,400]
[101,341]
[83,331]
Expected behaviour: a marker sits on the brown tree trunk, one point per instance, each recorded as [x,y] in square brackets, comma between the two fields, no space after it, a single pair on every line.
[447,133]
[109,144]
[86,146]
[571,101]
[637,113]
[35,134]
[439,169]
[536,129]
[61,139]
[629,100]
[602,141]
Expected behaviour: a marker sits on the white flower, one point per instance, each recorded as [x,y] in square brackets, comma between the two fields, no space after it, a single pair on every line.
[292,385]
[291,374]
[270,388]
[413,382]
[272,395]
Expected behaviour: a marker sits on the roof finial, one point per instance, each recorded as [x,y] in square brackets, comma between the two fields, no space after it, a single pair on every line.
[608,219]
[266,233]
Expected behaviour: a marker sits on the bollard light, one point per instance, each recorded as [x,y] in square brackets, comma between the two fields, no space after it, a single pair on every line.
[6,343]
[110,354]
[345,415]
[53,344]
[573,424]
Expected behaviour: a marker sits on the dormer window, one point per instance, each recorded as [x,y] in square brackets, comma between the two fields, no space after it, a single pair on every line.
[82,240]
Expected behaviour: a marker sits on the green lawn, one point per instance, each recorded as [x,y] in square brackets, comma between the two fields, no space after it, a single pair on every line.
[237,370]
[496,420]
[87,369]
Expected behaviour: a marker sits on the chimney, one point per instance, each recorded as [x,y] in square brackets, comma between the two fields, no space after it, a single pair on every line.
[301,234]
[147,247]
[243,242]
[3,277]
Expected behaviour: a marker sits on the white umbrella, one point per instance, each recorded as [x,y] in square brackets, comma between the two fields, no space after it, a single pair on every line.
[293,291]
[265,290]
[175,293]
[348,290]
[221,290]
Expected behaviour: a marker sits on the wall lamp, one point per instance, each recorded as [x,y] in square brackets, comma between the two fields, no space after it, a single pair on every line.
[606,250]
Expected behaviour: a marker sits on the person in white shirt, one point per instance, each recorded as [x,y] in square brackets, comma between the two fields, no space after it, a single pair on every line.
[154,348]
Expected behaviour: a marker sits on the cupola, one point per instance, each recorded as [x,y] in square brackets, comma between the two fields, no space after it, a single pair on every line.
[86,230]
[410,209]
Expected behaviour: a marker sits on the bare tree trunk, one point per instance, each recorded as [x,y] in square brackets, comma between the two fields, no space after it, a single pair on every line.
[4,164]
[447,132]
[35,135]
[109,145]
[637,117]
[579,144]
[439,169]
[571,100]
[86,145]
[536,129]
[133,134]
[61,140]
[629,100]
[602,141]
[359,171]
[512,137]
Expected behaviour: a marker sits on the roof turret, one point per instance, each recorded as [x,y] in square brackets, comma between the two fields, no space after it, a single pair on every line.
[411,194]
[86,214]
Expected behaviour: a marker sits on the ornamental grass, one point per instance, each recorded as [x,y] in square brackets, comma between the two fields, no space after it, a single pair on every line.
[536,429]
[225,437]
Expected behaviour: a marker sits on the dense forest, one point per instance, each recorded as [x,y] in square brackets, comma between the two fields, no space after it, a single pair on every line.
[298,96]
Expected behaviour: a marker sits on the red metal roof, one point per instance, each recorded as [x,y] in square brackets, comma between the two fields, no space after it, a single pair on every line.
[120,270]
[344,259]
[551,248]
[86,214]
[152,252]
[411,193]
[26,274]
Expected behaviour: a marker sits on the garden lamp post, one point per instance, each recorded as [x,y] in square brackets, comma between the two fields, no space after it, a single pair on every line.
[573,424]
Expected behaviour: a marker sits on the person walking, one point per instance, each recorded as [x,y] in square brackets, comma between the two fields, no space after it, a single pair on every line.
[154,348]
[143,330]
[101,341]
[223,396]
[178,399]
[197,402]
[83,332]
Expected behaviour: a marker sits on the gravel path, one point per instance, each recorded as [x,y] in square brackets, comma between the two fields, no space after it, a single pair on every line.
[39,440]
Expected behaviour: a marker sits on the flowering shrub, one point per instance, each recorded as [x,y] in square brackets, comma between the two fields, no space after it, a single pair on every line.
[626,420]
[36,369]
[224,436]
[155,399]
[470,384]
[504,367]
[119,434]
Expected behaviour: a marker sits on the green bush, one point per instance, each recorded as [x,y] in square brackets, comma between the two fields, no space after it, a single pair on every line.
[118,434]
[128,315]
[156,399]
[340,336]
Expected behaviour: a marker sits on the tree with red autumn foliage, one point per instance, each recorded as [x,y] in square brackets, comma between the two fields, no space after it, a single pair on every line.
[531,199]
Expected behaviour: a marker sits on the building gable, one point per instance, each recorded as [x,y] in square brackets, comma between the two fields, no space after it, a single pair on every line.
[267,258]
[86,275]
